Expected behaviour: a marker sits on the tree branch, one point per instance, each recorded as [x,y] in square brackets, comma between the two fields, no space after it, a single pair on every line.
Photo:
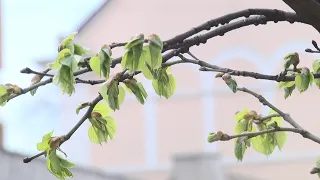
[220,31]
[48,81]
[226,19]
[226,137]
[71,132]
[91,82]
[30,71]
[285,116]
[204,66]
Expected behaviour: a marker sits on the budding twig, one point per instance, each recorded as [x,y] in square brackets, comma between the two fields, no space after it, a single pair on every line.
[226,137]
[286,117]
[71,132]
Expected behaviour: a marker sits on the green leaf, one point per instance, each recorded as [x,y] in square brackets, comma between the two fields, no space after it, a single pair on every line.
[155,41]
[275,119]
[298,81]
[232,84]
[153,56]
[81,106]
[63,56]
[79,50]
[96,135]
[286,84]
[105,57]
[95,65]
[111,126]
[288,91]
[317,82]
[3,90]
[263,144]
[133,56]
[4,94]
[280,139]
[122,94]
[318,162]
[316,65]
[239,150]
[137,90]
[291,59]
[102,128]
[113,93]
[68,43]
[65,163]
[136,41]
[102,108]
[241,126]
[58,166]
[239,115]
[103,90]
[147,71]
[65,80]
[164,85]
[311,78]
[131,59]
[44,144]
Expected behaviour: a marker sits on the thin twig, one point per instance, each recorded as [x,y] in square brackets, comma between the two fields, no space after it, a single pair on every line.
[30,71]
[48,81]
[91,82]
[74,129]
[286,117]
[226,137]
[220,31]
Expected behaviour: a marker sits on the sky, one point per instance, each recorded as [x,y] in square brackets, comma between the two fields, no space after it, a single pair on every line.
[30,32]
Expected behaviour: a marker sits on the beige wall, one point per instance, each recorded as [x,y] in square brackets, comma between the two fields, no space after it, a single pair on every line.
[181,124]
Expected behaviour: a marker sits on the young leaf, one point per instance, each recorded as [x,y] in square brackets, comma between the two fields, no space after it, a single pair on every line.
[316,65]
[291,59]
[147,71]
[153,51]
[239,115]
[164,85]
[5,94]
[241,126]
[111,126]
[280,139]
[68,43]
[59,166]
[303,80]
[103,91]
[102,108]
[81,106]
[232,84]
[137,89]
[44,144]
[139,39]
[65,79]
[212,137]
[132,57]
[95,135]
[79,50]
[105,57]
[95,64]
[113,93]
[239,150]
[263,144]
[102,128]
[288,91]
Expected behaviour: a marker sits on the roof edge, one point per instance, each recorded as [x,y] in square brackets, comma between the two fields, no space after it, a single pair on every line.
[96,12]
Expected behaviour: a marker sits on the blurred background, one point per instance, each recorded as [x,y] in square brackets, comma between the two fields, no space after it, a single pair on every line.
[163,139]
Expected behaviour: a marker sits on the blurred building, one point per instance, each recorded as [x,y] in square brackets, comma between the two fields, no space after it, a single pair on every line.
[167,139]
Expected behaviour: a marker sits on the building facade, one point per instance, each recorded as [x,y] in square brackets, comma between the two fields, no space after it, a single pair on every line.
[148,135]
